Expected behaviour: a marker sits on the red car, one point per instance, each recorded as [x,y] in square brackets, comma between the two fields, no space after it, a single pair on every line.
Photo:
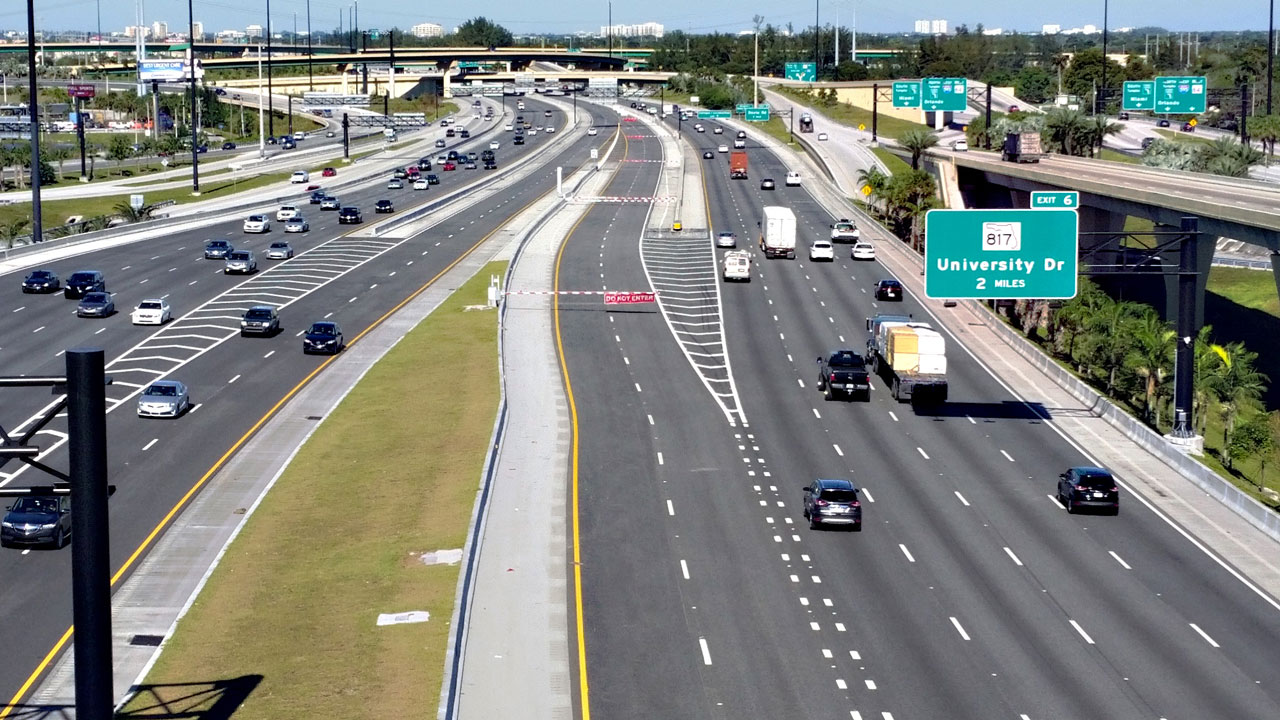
[312,187]
[449,166]
[412,171]
[329,172]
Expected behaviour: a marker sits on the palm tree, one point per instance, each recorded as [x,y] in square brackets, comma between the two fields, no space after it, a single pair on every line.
[1060,63]
[1150,357]
[917,140]
[1100,128]
[12,230]
[874,179]
[1238,385]
[132,215]
[1076,315]
[1208,358]
[1065,129]
[1110,338]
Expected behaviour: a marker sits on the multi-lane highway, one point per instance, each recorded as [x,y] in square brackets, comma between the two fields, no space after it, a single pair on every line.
[970,593]
[340,273]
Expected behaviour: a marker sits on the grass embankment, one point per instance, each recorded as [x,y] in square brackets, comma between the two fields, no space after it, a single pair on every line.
[1116,156]
[895,163]
[425,104]
[1182,137]
[335,543]
[847,114]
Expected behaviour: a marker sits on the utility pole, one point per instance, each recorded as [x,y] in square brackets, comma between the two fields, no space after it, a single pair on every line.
[1271,49]
[611,32]
[311,84]
[84,176]
[837,51]
[1103,89]
[853,34]
[875,112]
[986,133]
[33,105]
[755,79]
[271,120]
[391,47]
[262,135]
[817,39]
[195,125]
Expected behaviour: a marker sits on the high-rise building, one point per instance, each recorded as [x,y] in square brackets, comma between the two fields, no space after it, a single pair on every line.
[197,30]
[649,29]
[133,31]
[938,27]
[427,30]
[922,26]
[1050,29]
[160,29]
[254,31]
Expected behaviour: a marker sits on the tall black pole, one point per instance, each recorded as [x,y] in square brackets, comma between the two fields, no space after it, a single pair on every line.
[364,66]
[1103,89]
[84,176]
[346,137]
[290,115]
[1244,113]
[875,111]
[986,144]
[1184,357]
[611,29]
[817,38]
[33,108]
[1271,49]
[195,127]
[90,548]
[271,120]
[391,48]
[311,85]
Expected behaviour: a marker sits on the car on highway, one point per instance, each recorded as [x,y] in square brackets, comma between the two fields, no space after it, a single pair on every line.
[591,131]
[723,149]
[395,184]
[260,320]
[726,240]
[299,135]
[1122,116]
[240,262]
[822,250]
[1162,122]
[300,176]
[328,172]
[330,203]
[960,145]
[1014,108]
[81,282]
[37,520]
[546,113]
[717,130]
[164,398]
[1188,127]
[383,206]
[490,165]
[440,142]
[742,135]
[280,250]
[297,224]
[41,281]
[708,155]
[257,224]
[518,141]
[285,212]
[739,144]
[330,134]
[424,164]
[471,165]
[509,127]
[318,196]
[822,137]
[843,373]
[96,304]
[152,311]
[464,133]
[449,166]
[862,251]
[421,184]
[228,146]
[450,133]
[768,184]
[433,179]
[400,173]
[288,143]
[889,289]
[350,215]
[1081,488]
[322,337]
[533,131]
[1148,142]
[442,159]
[832,502]
[217,249]
[699,128]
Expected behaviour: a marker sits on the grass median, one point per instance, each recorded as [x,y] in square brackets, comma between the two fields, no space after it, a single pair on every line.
[391,473]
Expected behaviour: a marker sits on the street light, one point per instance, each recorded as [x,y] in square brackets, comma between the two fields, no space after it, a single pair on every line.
[1271,48]
[195,128]
[1103,89]
[271,121]
[33,104]
[310,79]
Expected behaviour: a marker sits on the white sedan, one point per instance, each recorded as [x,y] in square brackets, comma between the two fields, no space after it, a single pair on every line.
[863,251]
[822,137]
[153,311]
[257,224]
[297,224]
[822,250]
[495,145]
[723,149]
[591,131]
[717,130]
[793,179]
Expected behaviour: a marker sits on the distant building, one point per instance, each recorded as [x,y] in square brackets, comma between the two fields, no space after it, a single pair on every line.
[922,27]
[1086,30]
[135,31]
[1050,29]
[427,30]
[160,29]
[231,36]
[197,30]
[254,31]
[938,27]
[649,29]
[993,31]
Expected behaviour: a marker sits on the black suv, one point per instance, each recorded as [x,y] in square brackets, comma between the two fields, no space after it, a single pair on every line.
[349,215]
[260,320]
[1088,487]
[889,290]
[84,281]
[37,520]
[41,281]
[832,502]
[322,337]
[843,372]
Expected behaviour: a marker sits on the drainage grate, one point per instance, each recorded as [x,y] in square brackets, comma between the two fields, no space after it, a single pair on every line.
[146,640]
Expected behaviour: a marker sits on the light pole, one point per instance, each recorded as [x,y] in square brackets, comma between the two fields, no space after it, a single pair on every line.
[1271,48]
[37,227]
[1102,90]
[817,39]
[310,78]
[271,121]
[195,128]
[262,138]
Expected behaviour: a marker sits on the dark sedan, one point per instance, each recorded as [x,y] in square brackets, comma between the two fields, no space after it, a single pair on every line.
[383,206]
[1088,487]
[228,146]
[37,520]
[433,179]
[82,282]
[41,281]
[95,304]
[318,197]
[889,290]
[322,337]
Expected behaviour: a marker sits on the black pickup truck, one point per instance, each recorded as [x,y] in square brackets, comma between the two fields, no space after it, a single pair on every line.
[843,372]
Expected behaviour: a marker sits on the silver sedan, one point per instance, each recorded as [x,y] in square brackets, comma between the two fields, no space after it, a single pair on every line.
[280,251]
[164,398]
[297,225]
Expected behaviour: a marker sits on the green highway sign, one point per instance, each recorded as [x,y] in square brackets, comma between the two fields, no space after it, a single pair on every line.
[1181,95]
[1041,200]
[906,94]
[1139,95]
[944,94]
[802,71]
[756,115]
[714,114]
[1001,254]
[374,34]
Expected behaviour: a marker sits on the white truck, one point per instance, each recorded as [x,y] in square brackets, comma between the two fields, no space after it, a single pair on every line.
[910,356]
[737,266]
[778,232]
[845,230]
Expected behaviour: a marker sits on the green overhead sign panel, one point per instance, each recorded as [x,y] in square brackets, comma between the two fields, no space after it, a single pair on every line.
[1181,95]
[1041,200]
[756,115]
[944,94]
[744,107]
[906,94]
[1001,254]
[802,71]
[714,114]
[1139,95]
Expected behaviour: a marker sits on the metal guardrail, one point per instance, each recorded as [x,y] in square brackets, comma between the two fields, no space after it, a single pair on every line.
[1242,263]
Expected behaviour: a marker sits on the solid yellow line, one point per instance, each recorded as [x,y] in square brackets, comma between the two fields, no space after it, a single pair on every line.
[584,697]
[146,542]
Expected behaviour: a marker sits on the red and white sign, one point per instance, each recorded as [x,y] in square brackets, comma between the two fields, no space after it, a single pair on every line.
[615,297]
[80,91]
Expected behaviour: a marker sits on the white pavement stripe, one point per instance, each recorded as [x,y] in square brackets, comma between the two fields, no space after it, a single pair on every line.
[906,552]
[684,569]
[959,628]
[962,500]
[923,454]
[1013,557]
[671,509]
[838,450]
[156,440]
[1007,456]
[706,651]
[1123,564]
[1204,635]
[1080,630]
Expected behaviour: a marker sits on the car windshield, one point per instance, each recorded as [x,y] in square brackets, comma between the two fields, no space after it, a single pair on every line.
[727,235]
[238,256]
[218,244]
[41,275]
[95,298]
[890,284]
[322,329]
[293,221]
[148,305]
[844,226]
[846,358]
[258,314]
[821,244]
[162,391]
[279,246]
[840,496]
[35,505]
[1096,481]
[80,278]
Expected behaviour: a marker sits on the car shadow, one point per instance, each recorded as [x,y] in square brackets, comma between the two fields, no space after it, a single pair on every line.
[984,412]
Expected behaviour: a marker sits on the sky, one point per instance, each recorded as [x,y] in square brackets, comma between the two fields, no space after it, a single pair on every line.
[567,16]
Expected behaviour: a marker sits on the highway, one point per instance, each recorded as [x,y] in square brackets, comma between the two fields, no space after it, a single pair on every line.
[970,593]
[339,273]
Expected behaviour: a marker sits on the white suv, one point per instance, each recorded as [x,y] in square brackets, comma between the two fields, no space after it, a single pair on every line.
[822,250]
[793,179]
[300,176]
[286,212]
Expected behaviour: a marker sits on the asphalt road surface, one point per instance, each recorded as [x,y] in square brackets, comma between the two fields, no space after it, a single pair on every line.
[970,592]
